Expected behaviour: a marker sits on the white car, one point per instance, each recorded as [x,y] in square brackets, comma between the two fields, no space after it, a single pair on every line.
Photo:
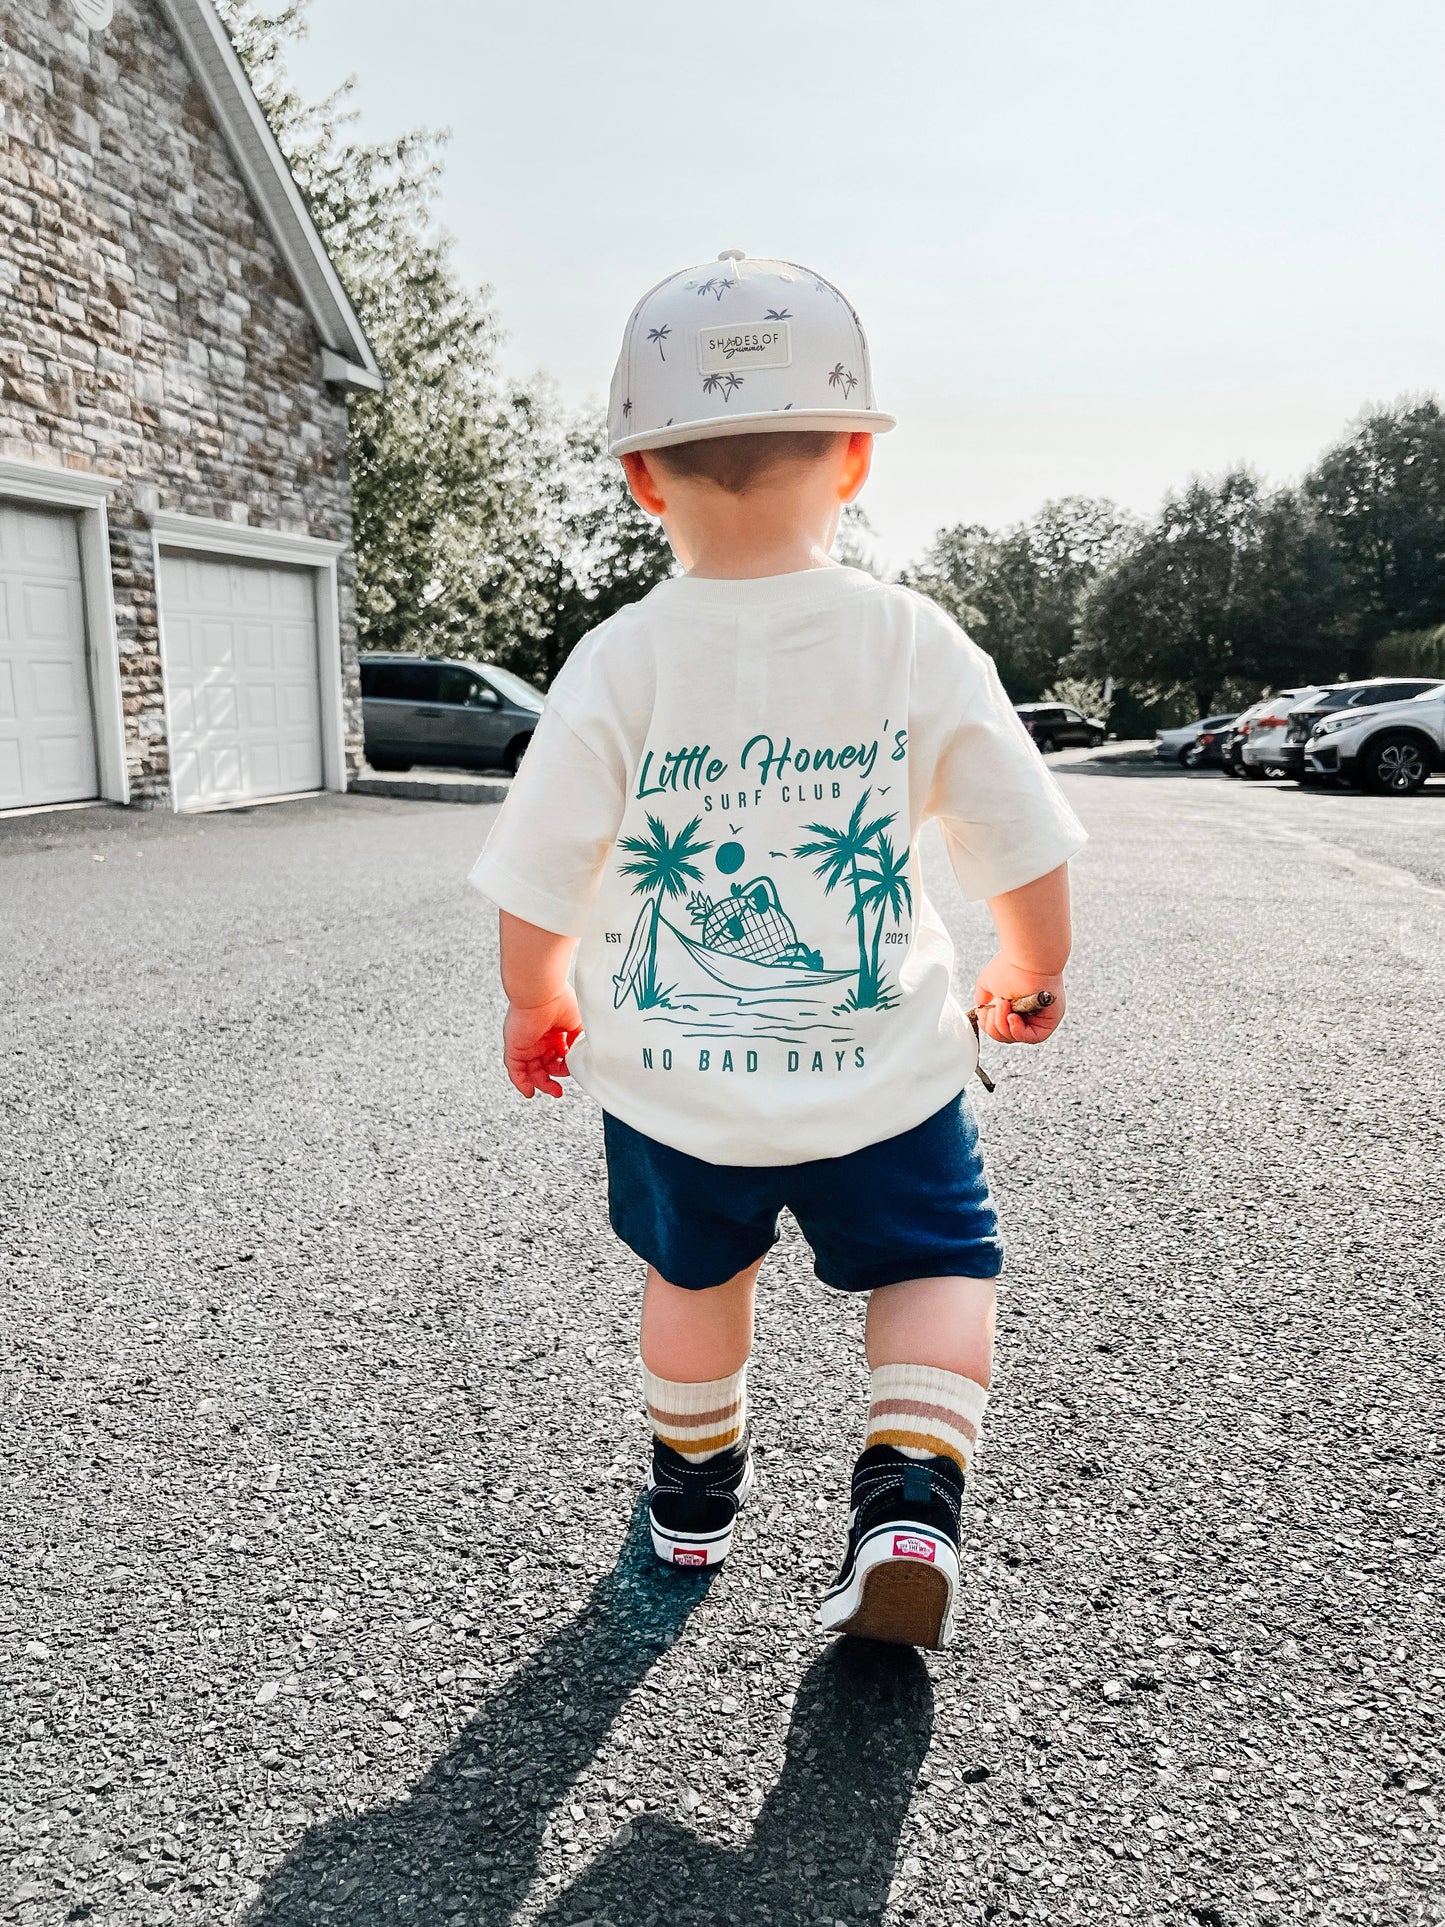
[1263,746]
[1170,744]
[1393,746]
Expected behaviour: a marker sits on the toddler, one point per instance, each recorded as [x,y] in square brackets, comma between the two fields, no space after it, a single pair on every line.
[717,823]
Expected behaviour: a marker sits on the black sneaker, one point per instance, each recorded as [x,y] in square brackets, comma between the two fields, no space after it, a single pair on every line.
[900,1574]
[691,1508]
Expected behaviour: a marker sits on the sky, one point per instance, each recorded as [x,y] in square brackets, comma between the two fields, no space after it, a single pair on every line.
[1098,245]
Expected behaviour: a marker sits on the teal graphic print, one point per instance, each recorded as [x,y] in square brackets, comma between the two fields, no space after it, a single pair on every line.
[844,856]
[732,963]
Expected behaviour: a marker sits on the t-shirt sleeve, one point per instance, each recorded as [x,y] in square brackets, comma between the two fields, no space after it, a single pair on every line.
[544,859]
[1004,818]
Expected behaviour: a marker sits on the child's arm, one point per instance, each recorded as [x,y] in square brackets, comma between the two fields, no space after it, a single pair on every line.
[542,1021]
[1034,939]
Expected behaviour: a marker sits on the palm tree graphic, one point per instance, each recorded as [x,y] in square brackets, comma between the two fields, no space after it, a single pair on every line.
[716,286]
[711,384]
[659,335]
[844,378]
[627,408]
[839,853]
[663,866]
[777,314]
[887,890]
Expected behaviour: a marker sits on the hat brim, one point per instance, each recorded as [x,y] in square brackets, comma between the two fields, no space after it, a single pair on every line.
[849,421]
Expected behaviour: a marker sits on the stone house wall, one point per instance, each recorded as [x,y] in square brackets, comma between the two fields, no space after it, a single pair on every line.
[149,329]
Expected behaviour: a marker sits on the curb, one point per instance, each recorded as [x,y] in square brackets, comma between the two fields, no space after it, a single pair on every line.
[411,790]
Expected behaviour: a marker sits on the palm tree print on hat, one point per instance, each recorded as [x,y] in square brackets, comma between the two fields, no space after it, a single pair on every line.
[716,286]
[777,314]
[844,378]
[724,384]
[883,889]
[663,866]
[627,408]
[659,335]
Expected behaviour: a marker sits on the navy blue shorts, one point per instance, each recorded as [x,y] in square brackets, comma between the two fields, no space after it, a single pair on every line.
[914,1206]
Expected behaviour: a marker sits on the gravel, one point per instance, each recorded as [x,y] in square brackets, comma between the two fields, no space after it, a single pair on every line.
[325,1596]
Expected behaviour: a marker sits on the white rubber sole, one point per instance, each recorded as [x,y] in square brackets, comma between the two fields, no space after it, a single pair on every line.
[699,1549]
[902,1589]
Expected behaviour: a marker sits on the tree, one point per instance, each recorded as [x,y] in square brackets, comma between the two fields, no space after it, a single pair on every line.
[587,548]
[1169,617]
[1019,591]
[1232,588]
[487,523]
[1382,493]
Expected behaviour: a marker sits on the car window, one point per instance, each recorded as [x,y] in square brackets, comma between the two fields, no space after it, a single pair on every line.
[1047,716]
[1397,692]
[403,682]
[1072,716]
[464,688]
[520,694]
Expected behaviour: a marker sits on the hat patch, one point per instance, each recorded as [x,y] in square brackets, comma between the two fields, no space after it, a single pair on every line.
[768,345]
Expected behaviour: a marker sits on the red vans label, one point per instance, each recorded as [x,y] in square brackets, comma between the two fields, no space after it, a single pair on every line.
[907,1546]
[689,1556]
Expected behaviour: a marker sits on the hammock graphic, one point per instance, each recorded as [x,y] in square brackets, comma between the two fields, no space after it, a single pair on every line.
[678,958]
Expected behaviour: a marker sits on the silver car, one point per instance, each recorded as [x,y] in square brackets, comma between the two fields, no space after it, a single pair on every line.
[456,715]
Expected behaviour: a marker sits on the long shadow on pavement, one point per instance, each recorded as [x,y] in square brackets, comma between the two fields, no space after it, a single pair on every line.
[827,1837]
[463,1844]
[464,1840]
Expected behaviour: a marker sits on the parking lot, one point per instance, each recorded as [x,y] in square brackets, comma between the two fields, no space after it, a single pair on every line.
[324,1598]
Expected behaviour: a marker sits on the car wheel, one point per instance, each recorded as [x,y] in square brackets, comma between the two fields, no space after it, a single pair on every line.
[1183,757]
[1251,772]
[1397,764]
[1046,744]
[1192,757]
[388,763]
[515,752]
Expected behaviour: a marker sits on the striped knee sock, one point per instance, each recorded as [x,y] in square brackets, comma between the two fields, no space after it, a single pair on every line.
[698,1421]
[925,1412]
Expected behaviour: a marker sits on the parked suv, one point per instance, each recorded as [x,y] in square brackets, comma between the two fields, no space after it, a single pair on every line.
[460,715]
[1262,745]
[1172,745]
[1389,746]
[1305,715]
[1056,726]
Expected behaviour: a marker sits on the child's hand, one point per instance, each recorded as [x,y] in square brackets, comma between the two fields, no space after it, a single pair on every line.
[999,982]
[536,1040]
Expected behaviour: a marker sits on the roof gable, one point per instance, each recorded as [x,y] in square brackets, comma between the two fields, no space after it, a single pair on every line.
[347,356]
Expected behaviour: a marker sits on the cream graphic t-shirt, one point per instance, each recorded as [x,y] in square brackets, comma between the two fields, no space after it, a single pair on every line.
[722,803]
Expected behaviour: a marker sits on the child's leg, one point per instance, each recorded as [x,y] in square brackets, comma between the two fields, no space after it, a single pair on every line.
[930,1351]
[695,1347]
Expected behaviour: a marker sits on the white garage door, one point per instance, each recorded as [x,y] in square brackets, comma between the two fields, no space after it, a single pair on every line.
[243,689]
[47,737]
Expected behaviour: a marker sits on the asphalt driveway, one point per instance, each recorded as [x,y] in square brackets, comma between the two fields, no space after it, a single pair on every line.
[325,1600]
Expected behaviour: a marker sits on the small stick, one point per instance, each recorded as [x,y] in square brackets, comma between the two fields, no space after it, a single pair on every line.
[1029,1006]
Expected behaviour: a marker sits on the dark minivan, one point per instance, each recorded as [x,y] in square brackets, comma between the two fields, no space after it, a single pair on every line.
[1057,726]
[455,715]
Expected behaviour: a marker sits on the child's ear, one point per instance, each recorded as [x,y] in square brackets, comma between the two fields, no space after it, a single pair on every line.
[853,470]
[642,483]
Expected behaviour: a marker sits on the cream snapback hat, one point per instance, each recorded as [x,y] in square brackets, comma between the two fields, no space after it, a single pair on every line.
[740,347]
